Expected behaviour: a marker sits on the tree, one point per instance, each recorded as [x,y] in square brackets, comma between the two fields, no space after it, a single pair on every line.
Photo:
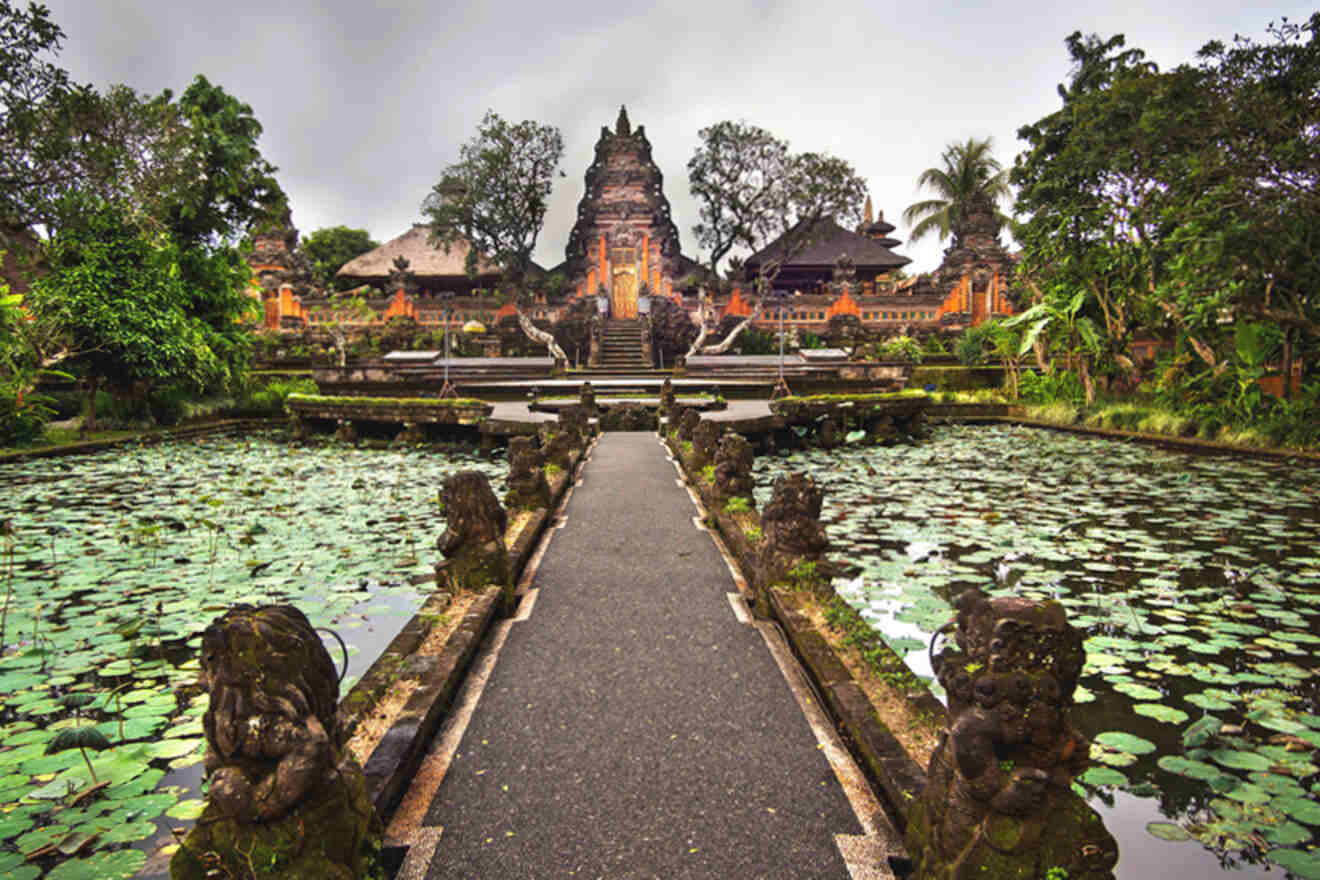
[32,153]
[494,197]
[330,248]
[735,176]
[970,173]
[118,299]
[751,191]
[1181,201]
[343,312]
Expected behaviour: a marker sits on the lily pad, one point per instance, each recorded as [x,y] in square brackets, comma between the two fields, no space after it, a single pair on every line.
[1167,831]
[1160,712]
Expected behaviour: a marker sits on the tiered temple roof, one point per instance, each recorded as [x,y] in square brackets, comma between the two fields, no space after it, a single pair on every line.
[624,212]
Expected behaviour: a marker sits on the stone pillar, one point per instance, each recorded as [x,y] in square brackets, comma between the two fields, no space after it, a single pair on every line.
[284,792]
[998,800]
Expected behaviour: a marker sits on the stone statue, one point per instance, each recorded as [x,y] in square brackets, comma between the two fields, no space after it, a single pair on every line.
[587,397]
[687,423]
[283,791]
[705,441]
[734,461]
[666,397]
[998,800]
[473,540]
[528,488]
[793,535]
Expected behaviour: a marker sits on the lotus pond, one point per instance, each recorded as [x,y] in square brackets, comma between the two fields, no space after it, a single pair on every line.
[114,563]
[1196,580]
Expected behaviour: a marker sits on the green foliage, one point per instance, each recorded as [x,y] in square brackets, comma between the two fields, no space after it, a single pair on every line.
[972,346]
[901,348]
[330,248]
[1181,203]
[1050,387]
[271,395]
[385,402]
[736,504]
[494,198]
[708,473]
[970,178]
[119,299]
[753,532]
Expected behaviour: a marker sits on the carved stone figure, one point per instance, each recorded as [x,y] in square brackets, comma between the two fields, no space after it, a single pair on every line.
[411,435]
[574,421]
[283,791]
[791,521]
[587,397]
[528,487]
[734,461]
[473,540]
[705,442]
[687,424]
[557,444]
[666,397]
[346,432]
[998,800]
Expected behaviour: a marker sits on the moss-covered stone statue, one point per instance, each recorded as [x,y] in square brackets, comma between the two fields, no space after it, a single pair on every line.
[998,800]
[528,487]
[285,799]
[734,462]
[473,540]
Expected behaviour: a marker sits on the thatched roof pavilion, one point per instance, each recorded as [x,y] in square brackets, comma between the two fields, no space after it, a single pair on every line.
[431,266]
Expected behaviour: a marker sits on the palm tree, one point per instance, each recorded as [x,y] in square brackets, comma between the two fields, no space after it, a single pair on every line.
[970,174]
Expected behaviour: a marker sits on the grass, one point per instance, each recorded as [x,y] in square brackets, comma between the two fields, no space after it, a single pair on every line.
[371,402]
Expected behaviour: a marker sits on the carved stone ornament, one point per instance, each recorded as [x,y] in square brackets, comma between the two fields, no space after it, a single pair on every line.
[473,540]
[998,800]
[734,462]
[528,487]
[283,790]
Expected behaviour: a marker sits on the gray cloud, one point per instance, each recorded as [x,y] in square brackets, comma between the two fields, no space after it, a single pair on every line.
[364,104]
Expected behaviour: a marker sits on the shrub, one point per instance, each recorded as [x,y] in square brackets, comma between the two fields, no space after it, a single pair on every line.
[901,348]
[22,421]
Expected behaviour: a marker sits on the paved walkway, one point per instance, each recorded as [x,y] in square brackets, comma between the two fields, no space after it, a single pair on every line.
[631,725]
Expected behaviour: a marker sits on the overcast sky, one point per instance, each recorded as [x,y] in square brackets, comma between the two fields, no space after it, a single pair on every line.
[364,103]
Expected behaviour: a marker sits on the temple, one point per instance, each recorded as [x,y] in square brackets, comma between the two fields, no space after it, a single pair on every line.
[624,238]
[624,245]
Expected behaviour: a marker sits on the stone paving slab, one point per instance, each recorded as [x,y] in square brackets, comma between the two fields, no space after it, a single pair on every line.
[632,726]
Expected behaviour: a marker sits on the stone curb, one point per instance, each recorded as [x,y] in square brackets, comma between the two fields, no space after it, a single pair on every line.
[145,438]
[878,752]
[397,756]
[893,774]
[391,766]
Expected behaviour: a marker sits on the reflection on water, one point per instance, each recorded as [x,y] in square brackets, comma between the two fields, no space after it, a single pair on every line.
[1196,579]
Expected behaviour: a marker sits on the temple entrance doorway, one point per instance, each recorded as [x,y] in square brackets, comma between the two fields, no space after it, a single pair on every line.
[623,287]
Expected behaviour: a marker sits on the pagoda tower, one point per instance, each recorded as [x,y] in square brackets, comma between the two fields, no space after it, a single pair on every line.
[624,237]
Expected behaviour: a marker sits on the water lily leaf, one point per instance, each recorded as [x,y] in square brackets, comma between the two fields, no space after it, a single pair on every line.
[118,865]
[1100,776]
[187,810]
[1167,831]
[1200,731]
[1305,865]
[1125,742]
[1287,834]
[1302,809]
[1137,691]
[1187,767]
[1240,760]
[1160,712]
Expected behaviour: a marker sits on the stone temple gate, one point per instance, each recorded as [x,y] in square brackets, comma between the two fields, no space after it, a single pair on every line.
[624,237]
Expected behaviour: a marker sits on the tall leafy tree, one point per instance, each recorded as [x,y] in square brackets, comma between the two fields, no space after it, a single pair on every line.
[494,197]
[1182,201]
[969,174]
[736,175]
[751,191]
[117,297]
[330,248]
[33,153]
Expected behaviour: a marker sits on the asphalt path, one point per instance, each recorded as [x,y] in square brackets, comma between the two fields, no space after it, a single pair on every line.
[632,727]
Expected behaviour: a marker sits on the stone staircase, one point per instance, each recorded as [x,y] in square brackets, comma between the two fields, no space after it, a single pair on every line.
[621,347]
